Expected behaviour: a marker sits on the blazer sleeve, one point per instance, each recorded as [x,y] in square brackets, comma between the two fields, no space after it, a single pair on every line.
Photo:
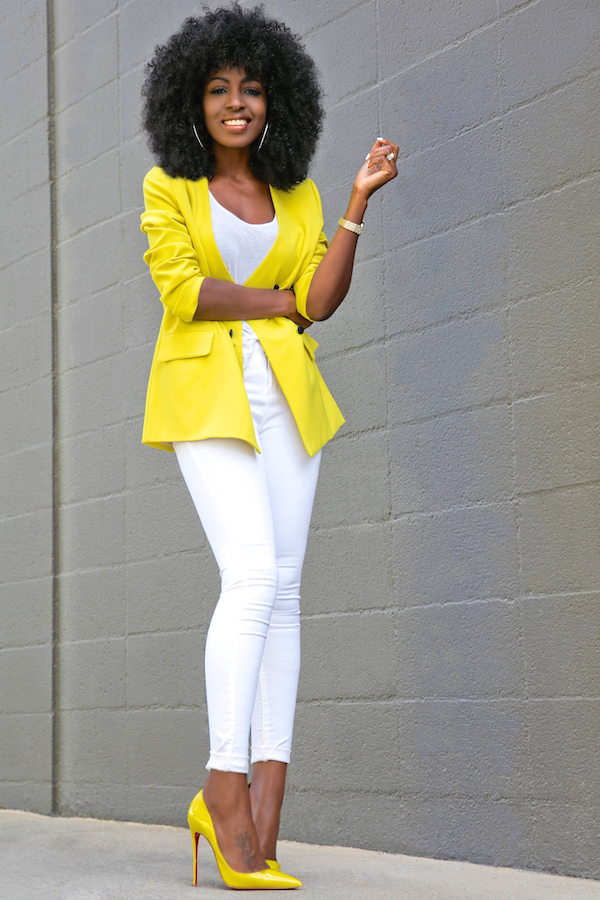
[173,262]
[302,283]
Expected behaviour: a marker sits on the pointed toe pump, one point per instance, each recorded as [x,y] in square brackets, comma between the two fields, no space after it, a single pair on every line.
[200,823]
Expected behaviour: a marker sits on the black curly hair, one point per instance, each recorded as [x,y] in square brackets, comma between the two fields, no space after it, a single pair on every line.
[270,53]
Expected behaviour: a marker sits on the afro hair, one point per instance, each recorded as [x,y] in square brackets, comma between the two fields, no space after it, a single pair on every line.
[270,53]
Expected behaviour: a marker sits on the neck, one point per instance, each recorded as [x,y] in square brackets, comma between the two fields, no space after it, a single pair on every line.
[232,163]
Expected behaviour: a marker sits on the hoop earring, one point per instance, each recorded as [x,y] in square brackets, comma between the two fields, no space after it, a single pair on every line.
[198,139]
[262,140]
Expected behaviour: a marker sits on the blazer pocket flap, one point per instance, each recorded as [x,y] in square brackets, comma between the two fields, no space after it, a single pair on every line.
[184,346]
[310,344]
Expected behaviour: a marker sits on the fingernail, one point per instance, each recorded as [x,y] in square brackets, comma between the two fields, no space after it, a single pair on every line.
[368,156]
[381,139]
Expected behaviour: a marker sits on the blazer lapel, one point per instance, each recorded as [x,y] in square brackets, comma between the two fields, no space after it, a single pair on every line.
[278,265]
[218,269]
[275,267]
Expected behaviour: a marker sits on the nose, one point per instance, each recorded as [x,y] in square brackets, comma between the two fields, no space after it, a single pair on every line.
[234,101]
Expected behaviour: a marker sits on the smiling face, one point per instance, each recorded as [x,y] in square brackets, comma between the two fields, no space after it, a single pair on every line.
[235,108]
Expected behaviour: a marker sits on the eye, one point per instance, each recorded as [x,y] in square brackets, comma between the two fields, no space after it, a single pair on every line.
[254,91]
[218,90]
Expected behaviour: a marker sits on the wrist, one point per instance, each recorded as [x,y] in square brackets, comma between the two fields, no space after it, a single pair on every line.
[279,302]
[356,208]
[290,303]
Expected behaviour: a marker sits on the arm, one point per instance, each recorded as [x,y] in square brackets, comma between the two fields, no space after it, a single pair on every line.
[225,300]
[332,278]
[176,271]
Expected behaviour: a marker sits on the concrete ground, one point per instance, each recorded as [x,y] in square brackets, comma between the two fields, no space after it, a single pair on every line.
[73,859]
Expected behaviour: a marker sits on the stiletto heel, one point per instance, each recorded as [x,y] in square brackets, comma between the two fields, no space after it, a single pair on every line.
[195,838]
[201,823]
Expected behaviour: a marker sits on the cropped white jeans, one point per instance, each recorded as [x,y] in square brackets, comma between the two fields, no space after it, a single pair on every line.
[255,509]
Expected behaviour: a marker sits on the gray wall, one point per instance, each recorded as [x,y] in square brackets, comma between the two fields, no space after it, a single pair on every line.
[449,703]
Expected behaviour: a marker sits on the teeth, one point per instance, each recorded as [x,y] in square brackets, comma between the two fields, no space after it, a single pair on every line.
[236,121]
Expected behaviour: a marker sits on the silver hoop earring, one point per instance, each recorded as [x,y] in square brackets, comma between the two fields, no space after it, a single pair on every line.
[198,139]
[262,140]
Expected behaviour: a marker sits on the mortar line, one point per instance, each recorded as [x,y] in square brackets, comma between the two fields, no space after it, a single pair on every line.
[556,489]
[21,259]
[543,392]
[25,132]
[55,562]
[22,323]
[75,37]
[336,18]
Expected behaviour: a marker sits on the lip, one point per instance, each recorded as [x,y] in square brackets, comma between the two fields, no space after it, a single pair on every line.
[237,129]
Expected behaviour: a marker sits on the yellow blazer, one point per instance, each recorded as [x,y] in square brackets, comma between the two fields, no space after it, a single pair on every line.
[196,388]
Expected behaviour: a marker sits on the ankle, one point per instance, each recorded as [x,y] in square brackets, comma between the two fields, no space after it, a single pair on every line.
[225,790]
[268,831]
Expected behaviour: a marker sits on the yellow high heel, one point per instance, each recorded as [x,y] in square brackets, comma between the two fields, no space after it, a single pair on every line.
[200,823]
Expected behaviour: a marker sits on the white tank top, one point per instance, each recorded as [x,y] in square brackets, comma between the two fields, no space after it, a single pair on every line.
[242,246]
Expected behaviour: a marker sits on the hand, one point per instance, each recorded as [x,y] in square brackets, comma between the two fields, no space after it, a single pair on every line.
[293,315]
[297,319]
[378,169]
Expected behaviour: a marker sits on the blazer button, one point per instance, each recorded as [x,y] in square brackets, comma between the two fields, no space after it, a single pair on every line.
[231,332]
[275,287]
[300,329]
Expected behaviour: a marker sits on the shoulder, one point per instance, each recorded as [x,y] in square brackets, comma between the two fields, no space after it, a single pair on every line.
[157,177]
[306,191]
[159,186]
[302,199]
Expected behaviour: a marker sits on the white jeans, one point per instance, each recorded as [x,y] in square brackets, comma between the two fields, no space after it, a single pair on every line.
[255,509]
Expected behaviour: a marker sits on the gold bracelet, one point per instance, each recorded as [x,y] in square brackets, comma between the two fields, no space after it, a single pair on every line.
[351,226]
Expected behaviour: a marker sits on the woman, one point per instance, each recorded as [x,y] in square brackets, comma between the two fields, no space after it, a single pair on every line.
[236,249]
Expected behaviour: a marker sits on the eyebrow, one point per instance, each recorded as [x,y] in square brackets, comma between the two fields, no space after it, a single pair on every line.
[222,78]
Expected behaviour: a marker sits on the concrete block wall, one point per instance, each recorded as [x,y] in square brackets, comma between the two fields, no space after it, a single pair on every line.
[449,702]
[455,689]
[25,413]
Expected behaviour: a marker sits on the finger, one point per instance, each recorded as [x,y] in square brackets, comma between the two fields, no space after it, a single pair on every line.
[379,153]
[378,156]
[388,162]
[383,148]
[388,146]
[384,170]
[381,142]
[381,163]
[373,149]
